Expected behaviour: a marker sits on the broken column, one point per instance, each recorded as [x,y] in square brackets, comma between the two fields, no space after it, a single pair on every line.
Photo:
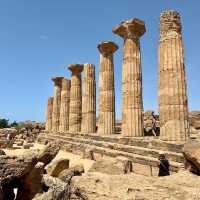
[64,109]
[56,103]
[48,125]
[173,104]
[106,121]
[132,103]
[88,124]
[75,98]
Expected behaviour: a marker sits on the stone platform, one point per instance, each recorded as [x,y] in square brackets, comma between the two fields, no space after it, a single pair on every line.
[143,152]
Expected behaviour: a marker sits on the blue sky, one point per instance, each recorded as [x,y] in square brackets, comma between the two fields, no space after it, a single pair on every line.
[39,38]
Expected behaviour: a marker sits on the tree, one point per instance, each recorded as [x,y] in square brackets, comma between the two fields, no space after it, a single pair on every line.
[4,123]
[14,124]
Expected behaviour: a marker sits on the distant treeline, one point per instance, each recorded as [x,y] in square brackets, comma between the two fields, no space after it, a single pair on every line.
[4,123]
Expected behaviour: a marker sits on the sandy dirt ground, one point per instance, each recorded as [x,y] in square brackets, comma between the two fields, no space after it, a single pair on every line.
[74,159]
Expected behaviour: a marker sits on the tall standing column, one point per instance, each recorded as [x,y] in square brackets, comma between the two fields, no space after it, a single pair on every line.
[48,125]
[173,104]
[56,103]
[106,121]
[75,98]
[64,109]
[88,124]
[132,104]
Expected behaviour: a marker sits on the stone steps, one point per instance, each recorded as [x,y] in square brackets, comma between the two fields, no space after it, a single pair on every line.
[145,142]
[172,156]
[144,160]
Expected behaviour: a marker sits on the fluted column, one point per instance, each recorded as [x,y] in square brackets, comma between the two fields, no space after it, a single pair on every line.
[49,111]
[56,103]
[173,103]
[106,121]
[64,109]
[88,124]
[75,98]
[132,103]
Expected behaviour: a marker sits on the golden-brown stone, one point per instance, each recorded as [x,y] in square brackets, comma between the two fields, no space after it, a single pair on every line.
[106,121]
[75,98]
[173,103]
[132,104]
[56,103]
[88,124]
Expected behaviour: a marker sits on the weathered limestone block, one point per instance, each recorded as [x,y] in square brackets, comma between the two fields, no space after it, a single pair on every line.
[31,184]
[59,190]
[49,112]
[56,103]
[67,174]
[64,109]
[49,153]
[14,168]
[75,98]
[132,103]
[173,103]
[106,121]
[56,166]
[191,152]
[88,124]
[113,166]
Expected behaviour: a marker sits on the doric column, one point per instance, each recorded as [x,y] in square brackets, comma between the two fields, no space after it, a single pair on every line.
[56,103]
[132,104]
[64,109]
[75,98]
[88,124]
[173,105]
[49,111]
[106,121]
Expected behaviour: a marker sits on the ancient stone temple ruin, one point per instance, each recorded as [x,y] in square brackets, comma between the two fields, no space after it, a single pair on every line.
[49,112]
[71,113]
[88,121]
[106,121]
[64,105]
[132,106]
[56,103]
[173,108]
[75,98]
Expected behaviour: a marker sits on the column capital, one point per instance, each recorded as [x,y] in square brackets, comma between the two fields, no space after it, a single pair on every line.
[133,28]
[170,24]
[107,47]
[76,68]
[57,80]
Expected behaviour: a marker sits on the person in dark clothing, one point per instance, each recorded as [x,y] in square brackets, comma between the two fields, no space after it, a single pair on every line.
[163,165]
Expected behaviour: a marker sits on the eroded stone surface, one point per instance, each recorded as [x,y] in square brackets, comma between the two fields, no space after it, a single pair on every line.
[49,112]
[64,108]
[56,103]
[100,186]
[173,103]
[132,103]
[106,120]
[112,166]
[75,98]
[88,123]
[56,166]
